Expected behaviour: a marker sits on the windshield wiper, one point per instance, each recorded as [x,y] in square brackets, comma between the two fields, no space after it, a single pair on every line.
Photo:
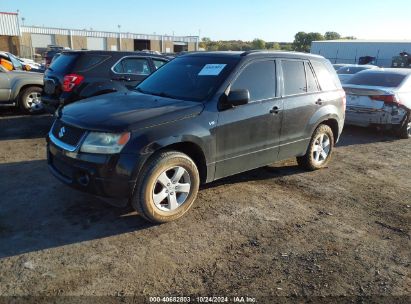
[161,94]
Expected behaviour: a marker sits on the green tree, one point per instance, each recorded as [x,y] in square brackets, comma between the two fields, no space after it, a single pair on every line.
[302,41]
[332,36]
[273,46]
[258,44]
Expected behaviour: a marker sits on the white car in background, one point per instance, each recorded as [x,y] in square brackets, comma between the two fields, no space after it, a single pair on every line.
[380,97]
[347,71]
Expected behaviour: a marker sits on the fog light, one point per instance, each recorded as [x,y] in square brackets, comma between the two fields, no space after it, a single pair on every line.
[83,179]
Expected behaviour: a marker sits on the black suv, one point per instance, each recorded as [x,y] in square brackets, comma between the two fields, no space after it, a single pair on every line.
[202,117]
[76,75]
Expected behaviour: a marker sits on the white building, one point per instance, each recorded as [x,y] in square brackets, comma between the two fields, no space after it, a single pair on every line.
[349,51]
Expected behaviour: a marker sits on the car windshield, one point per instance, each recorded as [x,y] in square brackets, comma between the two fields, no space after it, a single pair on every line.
[16,63]
[389,80]
[194,78]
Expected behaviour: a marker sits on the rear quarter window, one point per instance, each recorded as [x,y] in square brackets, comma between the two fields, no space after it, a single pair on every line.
[89,61]
[63,63]
[389,80]
[326,76]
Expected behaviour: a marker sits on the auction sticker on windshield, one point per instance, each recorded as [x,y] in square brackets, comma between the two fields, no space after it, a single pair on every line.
[212,70]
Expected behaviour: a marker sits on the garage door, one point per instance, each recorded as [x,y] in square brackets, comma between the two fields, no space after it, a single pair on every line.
[94,43]
[41,40]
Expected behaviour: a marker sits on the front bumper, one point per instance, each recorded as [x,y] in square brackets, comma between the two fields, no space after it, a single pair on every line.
[102,175]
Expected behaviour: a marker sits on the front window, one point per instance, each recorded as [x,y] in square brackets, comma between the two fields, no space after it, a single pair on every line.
[191,78]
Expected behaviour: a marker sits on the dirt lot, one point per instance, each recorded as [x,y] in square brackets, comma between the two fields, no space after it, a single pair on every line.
[272,232]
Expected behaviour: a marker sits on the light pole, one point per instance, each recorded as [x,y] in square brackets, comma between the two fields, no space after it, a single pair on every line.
[119,37]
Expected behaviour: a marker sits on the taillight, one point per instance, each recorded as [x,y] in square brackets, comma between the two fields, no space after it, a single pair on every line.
[385,98]
[70,81]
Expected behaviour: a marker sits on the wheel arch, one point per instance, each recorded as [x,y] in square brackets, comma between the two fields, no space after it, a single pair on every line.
[21,89]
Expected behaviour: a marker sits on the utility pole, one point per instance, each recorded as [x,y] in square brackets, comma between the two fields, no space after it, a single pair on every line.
[119,37]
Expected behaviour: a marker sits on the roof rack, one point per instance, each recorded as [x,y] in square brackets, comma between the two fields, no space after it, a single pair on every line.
[250,52]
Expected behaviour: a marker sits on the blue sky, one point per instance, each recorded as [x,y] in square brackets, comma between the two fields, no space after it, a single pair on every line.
[225,19]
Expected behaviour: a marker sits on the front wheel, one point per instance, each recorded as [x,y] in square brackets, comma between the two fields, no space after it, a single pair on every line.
[30,100]
[319,150]
[167,187]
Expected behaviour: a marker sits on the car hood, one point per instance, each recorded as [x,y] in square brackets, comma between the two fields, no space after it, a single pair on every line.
[119,112]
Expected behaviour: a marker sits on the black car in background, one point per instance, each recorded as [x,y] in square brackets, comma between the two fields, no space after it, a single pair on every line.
[201,117]
[76,75]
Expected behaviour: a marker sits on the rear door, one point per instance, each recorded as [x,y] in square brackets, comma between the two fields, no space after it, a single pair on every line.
[302,98]
[131,70]
[248,135]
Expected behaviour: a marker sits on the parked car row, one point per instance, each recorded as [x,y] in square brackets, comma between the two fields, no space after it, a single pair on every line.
[11,62]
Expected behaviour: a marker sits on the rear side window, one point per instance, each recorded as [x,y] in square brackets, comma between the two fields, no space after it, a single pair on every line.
[326,75]
[88,61]
[389,80]
[159,63]
[311,83]
[135,66]
[63,63]
[259,78]
[294,77]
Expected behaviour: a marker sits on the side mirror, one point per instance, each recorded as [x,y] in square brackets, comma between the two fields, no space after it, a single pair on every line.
[238,97]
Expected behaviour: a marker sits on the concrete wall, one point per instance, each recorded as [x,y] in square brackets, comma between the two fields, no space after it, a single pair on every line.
[170,45]
[191,46]
[79,42]
[127,44]
[62,40]
[112,42]
[10,44]
[155,45]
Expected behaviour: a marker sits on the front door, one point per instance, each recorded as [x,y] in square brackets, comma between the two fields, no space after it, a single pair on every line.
[248,135]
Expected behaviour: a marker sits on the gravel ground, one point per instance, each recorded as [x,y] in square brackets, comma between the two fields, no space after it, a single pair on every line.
[273,234]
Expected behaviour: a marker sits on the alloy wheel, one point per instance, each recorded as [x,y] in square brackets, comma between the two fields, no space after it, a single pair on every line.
[33,102]
[321,148]
[171,189]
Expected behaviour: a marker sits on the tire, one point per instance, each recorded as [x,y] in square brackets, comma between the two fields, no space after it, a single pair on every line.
[30,100]
[167,187]
[405,131]
[314,160]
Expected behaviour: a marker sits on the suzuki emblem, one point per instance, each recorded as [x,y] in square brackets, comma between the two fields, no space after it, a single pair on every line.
[62,132]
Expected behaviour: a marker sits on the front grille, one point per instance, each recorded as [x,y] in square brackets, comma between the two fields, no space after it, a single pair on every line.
[67,134]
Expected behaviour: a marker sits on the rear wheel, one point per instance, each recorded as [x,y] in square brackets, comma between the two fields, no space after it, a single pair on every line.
[167,187]
[405,130]
[320,149]
[30,100]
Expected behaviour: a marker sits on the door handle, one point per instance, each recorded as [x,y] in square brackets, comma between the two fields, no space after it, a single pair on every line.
[275,110]
[319,102]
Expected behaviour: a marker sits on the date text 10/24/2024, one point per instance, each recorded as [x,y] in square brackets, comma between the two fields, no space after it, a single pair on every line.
[235,299]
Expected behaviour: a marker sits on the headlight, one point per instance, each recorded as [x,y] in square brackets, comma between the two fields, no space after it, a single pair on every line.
[105,143]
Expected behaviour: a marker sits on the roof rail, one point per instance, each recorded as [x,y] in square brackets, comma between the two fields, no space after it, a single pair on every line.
[250,52]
